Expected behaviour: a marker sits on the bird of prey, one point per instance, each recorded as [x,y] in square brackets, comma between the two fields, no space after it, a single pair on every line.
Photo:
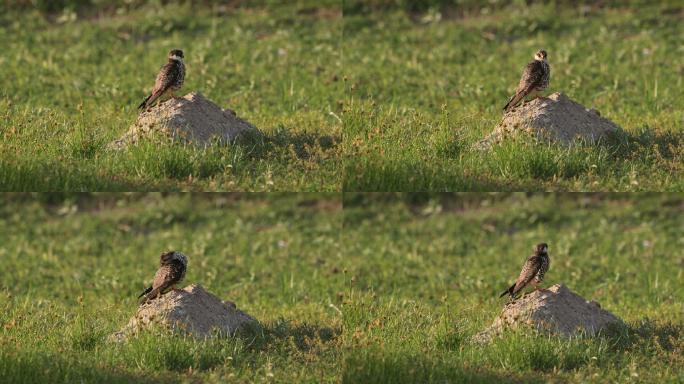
[169,79]
[534,80]
[532,272]
[171,272]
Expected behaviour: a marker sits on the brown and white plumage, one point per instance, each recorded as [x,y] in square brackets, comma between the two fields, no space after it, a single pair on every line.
[170,79]
[535,79]
[171,272]
[532,272]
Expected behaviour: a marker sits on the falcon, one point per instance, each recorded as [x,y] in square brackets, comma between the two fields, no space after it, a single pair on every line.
[171,272]
[169,80]
[532,272]
[534,80]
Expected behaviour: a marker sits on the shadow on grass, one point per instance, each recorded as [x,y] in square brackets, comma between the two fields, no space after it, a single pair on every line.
[382,176]
[301,142]
[643,335]
[156,164]
[526,158]
[162,157]
[52,368]
[368,366]
[46,175]
[625,146]
[543,353]
[523,164]
[668,144]
[159,349]
[303,336]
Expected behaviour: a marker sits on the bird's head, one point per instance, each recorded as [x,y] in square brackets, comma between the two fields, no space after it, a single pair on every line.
[176,54]
[540,55]
[541,249]
[174,256]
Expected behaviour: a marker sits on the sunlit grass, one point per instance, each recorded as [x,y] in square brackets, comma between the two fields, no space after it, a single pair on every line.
[423,88]
[72,86]
[425,273]
[74,266]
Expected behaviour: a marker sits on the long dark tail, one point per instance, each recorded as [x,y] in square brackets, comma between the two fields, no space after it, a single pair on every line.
[509,291]
[144,104]
[150,294]
[148,290]
[509,103]
[513,101]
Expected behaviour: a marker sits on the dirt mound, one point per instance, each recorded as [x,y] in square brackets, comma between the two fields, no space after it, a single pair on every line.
[192,310]
[557,310]
[191,118]
[557,119]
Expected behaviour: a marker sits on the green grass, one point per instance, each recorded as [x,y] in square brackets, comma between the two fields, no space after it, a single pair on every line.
[389,289]
[74,265]
[72,82]
[422,88]
[426,272]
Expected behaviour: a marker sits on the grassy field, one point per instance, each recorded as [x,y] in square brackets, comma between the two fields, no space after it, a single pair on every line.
[388,290]
[426,273]
[73,267]
[422,88]
[71,83]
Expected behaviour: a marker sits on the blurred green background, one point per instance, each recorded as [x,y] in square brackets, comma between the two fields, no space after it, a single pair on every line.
[74,265]
[73,75]
[426,84]
[427,271]
[364,287]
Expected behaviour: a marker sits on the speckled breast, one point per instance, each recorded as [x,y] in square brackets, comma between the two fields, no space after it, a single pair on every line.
[179,80]
[546,76]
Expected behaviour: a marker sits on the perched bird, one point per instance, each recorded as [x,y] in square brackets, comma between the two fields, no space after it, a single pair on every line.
[532,272]
[171,272]
[535,79]
[169,79]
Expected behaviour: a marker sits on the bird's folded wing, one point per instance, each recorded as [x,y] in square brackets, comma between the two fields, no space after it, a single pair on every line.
[166,77]
[528,272]
[531,77]
[515,99]
[162,276]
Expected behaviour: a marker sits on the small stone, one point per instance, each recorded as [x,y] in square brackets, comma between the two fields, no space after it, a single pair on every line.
[557,311]
[557,119]
[192,118]
[191,310]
